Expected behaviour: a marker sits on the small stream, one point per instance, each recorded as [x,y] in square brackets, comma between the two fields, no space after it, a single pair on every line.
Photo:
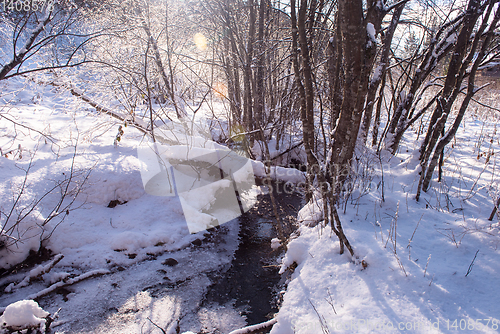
[215,285]
[252,281]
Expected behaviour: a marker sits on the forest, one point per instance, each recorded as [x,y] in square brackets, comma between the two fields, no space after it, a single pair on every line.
[378,116]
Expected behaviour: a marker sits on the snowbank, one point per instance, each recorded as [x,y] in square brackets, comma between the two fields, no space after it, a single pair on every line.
[421,272]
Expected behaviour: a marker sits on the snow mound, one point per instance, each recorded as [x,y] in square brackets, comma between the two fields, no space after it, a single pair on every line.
[312,212]
[24,314]
[275,243]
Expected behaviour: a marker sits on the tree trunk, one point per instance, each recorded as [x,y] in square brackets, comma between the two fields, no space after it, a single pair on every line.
[335,74]
[470,93]
[259,77]
[380,71]
[450,90]
[248,103]
[359,56]
[434,53]
[305,98]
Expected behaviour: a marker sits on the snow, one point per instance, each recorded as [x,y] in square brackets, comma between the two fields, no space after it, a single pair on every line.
[377,73]
[275,243]
[24,313]
[332,291]
[370,29]
[312,212]
[416,254]
[296,253]
[103,246]
[93,235]
[279,173]
[182,169]
[254,328]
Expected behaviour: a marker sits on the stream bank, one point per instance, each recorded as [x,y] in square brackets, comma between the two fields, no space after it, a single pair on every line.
[226,279]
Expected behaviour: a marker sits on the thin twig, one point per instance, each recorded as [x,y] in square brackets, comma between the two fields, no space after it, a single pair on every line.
[411,239]
[330,301]
[428,259]
[471,264]
[324,328]
[50,138]
[151,321]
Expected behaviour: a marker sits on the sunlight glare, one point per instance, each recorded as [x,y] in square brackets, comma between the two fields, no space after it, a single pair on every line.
[220,90]
[200,41]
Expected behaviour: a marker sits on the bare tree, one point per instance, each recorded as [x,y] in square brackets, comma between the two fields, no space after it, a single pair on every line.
[48,39]
[457,71]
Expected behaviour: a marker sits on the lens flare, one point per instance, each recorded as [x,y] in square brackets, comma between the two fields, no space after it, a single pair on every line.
[237,133]
[220,90]
[200,41]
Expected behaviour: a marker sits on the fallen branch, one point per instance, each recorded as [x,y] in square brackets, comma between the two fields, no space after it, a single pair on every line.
[78,93]
[35,274]
[124,118]
[100,108]
[255,328]
[66,282]
[288,150]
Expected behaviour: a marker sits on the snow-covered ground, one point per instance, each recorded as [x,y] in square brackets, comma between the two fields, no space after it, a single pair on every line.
[432,266]
[112,225]
[416,255]
[92,235]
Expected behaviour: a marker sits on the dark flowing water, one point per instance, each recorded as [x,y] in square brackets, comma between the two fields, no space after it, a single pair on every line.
[252,281]
[189,278]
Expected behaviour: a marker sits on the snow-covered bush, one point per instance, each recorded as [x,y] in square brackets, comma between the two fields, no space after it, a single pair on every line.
[35,210]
